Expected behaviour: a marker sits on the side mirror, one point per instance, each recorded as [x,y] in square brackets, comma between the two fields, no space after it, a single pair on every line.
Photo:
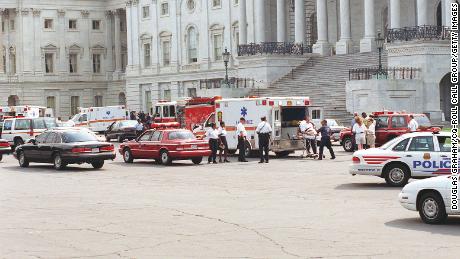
[32,141]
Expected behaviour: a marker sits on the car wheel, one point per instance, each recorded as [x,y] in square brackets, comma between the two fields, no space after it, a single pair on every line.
[431,208]
[197,160]
[128,156]
[120,139]
[165,158]
[107,139]
[98,164]
[397,175]
[58,163]
[17,142]
[347,144]
[22,160]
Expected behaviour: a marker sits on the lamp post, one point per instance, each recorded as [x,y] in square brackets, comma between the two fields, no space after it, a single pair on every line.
[226,58]
[379,42]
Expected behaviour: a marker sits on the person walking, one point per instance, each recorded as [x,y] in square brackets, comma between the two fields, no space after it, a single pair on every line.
[223,146]
[325,133]
[242,134]
[213,136]
[353,122]
[370,133]
[264,130]
[359,131]
[413,124]
[307,128]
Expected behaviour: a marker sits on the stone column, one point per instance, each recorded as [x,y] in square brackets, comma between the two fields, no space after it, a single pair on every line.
[422,12]
[38,70]
[25,23]
[109,41]
[300,21]
[135,32]
[322,46]
[61,60]
[260,22]
[243,23]
[368,42]
[280,20]
[344,45]
[2,51]
[117,39]
[129,31]
[395,14]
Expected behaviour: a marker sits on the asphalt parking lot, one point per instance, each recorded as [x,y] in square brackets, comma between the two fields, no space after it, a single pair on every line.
[290,208]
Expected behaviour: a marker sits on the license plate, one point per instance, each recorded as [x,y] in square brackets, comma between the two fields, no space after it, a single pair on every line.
[95,150]
[194,147]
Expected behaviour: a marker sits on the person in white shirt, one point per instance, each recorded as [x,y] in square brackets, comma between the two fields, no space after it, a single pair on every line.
[264,130]
[370,133]
[241,133]
[308,131]
[413,124]
[139,127]
[359,129]
[223,146]
[213,136]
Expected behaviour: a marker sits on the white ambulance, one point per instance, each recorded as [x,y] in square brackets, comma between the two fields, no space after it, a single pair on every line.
[98,119]
[283,113]
[26,111]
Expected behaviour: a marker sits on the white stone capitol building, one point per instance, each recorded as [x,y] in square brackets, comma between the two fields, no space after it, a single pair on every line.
[77,53]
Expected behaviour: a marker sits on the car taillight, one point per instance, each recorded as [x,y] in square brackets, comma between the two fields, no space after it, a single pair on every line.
[356,160]
[110,148]
[4,144]
[81,150]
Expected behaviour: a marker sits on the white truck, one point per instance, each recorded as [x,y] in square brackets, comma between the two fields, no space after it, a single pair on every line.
[283,113]
[98,119]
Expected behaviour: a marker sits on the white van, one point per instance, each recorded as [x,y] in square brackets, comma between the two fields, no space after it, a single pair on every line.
[98,119]
[18,130]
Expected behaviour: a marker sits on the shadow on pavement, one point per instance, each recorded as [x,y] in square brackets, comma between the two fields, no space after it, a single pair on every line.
[365,186]
[48,169]
[451,227]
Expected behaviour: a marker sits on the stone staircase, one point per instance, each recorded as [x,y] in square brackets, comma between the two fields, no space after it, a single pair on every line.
[323,80]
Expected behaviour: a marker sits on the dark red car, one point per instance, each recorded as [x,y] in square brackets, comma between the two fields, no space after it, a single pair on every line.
[164,146]
[389,125]
[4,148]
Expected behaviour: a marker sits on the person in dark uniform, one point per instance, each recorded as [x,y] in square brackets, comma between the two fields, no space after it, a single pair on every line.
[325,132]
[213,138]
[242,134]
[223,146]
[263,131]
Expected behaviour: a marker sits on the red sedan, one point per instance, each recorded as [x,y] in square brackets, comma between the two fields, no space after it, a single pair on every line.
[165,146]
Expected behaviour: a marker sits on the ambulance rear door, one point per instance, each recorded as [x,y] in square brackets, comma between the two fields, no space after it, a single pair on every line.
[276,119]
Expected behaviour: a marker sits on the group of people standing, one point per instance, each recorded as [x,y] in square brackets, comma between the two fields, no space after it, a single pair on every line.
[309,133]
[363,129]
[144,121]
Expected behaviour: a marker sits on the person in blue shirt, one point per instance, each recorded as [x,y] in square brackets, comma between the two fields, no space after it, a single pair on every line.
[325,132]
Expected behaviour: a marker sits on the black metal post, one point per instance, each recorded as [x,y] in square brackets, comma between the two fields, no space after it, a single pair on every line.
[226,73]
[380,60]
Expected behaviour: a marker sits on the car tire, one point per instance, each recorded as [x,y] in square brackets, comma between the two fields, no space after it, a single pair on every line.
[432,209]
[22,160]
[397,175]
[165,157]
[57,162]
[128,156]
[17,142]
[120,139]
[197,160]
[107,139]
[97,164]
[347,144]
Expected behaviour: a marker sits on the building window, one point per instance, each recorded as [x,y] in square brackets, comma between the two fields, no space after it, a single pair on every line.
[148,102]
[11,25]
[98,101]
[49,63]
[48,24]
[74,104]
[122,26]
[121,99]
[96,63]
[217,44]
[147,55]
[123,61]
[192,45]
[191,92]
[216,3]
[12,63]
[164,9]
[73,59]
[166,46]
[236,2]
[191,5]
[96,25]
[72,24]
[167,95]
[51,102]
[145,11]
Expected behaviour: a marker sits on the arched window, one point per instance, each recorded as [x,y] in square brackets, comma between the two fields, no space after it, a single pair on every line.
[121,99]
[192,38]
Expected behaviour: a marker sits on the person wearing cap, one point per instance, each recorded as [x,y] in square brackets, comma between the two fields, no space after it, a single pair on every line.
[213,136]
[264,130]
[223,146]
[241,133]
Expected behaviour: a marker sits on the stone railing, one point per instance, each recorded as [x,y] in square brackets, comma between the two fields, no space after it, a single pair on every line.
[427,32]
[385,73]
[271,48]
[233,82]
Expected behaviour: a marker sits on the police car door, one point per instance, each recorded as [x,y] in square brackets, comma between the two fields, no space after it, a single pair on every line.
[442,158]
[420,155]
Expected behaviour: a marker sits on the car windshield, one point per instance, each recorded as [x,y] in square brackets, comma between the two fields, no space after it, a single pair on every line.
[78,136]
[332,123]
[423,121]
[391,142]
[128,123]
[181,135]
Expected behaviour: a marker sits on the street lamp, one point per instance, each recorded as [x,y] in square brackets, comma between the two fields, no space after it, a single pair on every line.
[226,58]
[380,41]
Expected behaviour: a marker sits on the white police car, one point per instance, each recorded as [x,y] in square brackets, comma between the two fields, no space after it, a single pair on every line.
[412,155]
[431,198]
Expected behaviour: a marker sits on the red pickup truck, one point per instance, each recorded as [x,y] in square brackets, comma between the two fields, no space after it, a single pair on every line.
[389,125]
